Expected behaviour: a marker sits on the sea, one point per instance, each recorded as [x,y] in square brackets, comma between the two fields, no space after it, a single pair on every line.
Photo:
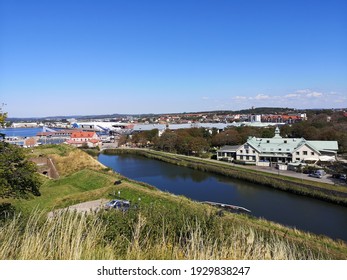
[21,132]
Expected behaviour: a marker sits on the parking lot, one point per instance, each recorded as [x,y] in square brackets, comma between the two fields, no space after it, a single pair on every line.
[325,179]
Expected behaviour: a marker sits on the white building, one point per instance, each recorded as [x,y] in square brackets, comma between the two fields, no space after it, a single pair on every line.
[263,151]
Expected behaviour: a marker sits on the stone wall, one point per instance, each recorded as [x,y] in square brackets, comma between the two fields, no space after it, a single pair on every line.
[46,167]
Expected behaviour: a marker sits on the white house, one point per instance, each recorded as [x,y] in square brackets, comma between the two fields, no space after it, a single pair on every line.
[263,151]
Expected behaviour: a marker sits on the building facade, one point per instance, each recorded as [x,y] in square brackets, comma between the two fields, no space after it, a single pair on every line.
[279,150]
[82,138]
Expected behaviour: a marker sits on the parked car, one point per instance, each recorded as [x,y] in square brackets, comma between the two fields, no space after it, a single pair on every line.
[342,177]
[118,204]
[315,175]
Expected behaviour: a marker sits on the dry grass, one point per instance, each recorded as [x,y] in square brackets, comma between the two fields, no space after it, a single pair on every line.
[72,236]
[74,161]
[67,159]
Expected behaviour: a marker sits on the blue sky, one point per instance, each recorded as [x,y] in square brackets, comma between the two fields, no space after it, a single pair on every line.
[101,57]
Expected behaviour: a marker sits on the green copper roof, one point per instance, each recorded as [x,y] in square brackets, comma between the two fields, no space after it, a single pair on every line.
[324,145]
[280,145]
[276,144]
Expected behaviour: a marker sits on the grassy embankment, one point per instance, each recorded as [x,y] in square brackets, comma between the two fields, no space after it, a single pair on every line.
[319,190]
[162,226]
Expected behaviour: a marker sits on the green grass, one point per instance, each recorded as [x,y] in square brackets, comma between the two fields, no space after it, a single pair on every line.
[54,193]
[45,150]
[163,217]
[162,226]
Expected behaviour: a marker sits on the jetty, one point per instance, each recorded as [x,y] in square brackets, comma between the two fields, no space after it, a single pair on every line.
[228,206]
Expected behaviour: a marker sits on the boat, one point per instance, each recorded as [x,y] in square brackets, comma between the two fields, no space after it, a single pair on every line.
[232,208]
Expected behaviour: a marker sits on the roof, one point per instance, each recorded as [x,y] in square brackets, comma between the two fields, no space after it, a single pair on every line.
[71,141]
[324,145]
[45,133]
[143,127]
[58,132]
[82,134]
[147,127]
[228,148]
[275,144]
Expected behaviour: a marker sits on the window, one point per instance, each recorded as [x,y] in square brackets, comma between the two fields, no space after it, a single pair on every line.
[298,153]
[312,153]
[253,151]
[241,157]
[267,141]
[297,159]
[280,149]
[247,151]
[305,153]
[247,157]
[285,141]
[241,151]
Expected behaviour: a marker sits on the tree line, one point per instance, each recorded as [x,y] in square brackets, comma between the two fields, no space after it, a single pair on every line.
[199,141]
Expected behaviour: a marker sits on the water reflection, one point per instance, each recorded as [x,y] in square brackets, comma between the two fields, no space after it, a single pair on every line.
[129,163]
[285,208]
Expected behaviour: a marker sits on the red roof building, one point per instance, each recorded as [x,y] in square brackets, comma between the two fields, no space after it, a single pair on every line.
[80,138]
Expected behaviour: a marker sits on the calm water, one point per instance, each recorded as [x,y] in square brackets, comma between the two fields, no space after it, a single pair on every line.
[288,209]
[22,132]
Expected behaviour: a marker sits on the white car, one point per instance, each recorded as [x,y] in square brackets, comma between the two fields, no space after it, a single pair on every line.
[118,204]
[315,175]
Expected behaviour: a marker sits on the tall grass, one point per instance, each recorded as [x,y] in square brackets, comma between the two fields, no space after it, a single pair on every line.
[69,236]
[73,236]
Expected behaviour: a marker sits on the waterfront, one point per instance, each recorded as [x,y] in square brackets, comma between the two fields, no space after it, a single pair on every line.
[21,132]
[288,209]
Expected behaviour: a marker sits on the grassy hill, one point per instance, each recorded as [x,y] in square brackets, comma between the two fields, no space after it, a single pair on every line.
[159,225]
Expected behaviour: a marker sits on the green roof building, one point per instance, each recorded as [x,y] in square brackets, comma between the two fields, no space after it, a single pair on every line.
[263,151]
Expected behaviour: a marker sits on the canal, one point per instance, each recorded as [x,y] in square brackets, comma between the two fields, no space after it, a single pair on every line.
[292,210]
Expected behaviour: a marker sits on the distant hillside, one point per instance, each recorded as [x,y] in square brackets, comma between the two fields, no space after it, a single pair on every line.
[257,111]
[260,110]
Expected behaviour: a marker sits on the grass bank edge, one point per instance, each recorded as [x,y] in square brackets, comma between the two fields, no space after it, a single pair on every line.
[318,190]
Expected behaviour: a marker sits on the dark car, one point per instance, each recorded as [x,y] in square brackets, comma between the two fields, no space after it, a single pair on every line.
[118,204]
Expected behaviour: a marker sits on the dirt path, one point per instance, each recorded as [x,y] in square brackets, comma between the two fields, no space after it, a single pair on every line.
[85,207]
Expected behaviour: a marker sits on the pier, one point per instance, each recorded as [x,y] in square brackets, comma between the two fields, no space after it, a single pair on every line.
[228,206]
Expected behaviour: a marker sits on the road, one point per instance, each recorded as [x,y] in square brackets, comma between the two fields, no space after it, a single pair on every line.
[84,207]
[325,179]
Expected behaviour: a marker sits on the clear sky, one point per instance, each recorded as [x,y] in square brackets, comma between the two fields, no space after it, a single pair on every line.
[74,57]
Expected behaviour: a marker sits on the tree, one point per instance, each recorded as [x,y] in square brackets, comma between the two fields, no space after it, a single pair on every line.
[228,137]
[3,117]
[198,145]
[167,142]
[18,176]
[267,133]
[122,140]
